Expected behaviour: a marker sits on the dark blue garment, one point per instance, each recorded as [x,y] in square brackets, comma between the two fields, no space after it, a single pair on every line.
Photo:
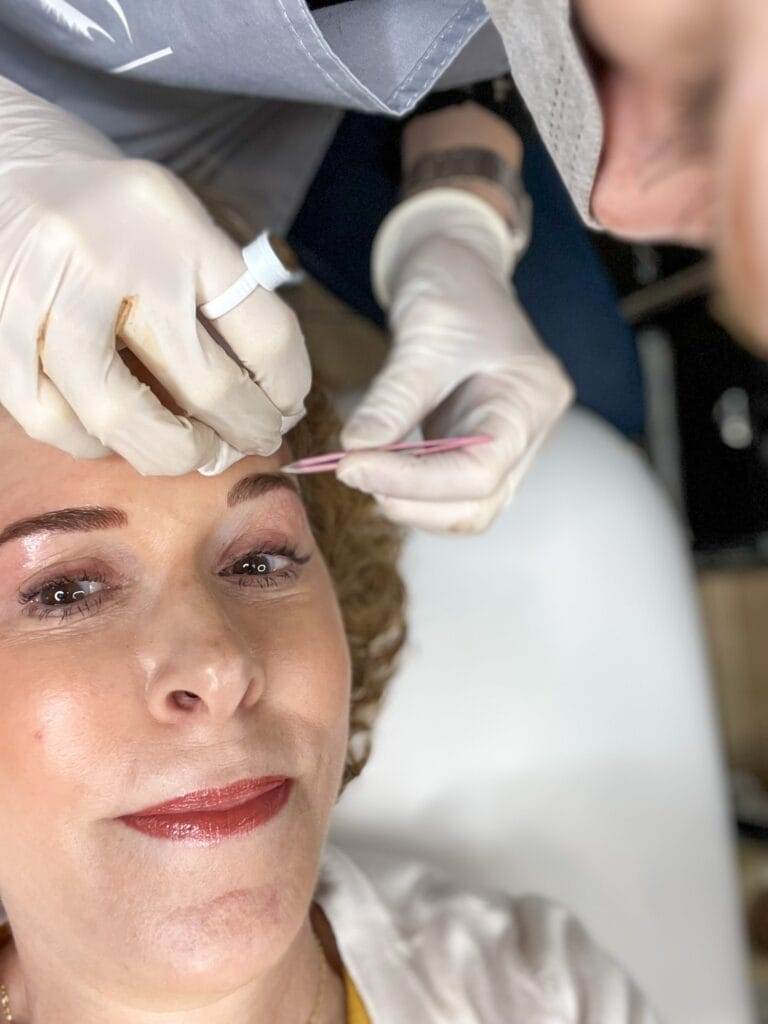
[561,281]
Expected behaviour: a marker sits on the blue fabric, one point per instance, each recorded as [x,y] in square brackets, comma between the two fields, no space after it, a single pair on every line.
[560,280]
[571,300]
[352,192]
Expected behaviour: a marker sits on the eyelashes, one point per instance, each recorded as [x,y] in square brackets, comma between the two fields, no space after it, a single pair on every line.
[82,593]
[254,569]
[66,595]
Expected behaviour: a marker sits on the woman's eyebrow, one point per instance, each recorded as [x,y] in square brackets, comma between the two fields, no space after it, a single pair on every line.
[65,520]
[79,520]
[256,484]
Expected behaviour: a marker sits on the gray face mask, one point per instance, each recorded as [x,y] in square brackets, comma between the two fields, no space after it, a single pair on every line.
[552,76]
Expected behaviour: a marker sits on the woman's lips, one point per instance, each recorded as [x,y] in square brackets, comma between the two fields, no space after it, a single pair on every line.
[212,814]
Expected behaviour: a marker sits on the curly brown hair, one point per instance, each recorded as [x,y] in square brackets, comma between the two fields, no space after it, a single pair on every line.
[361,549]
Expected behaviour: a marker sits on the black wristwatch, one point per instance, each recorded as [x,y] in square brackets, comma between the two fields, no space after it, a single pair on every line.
[450,166]
[499,95]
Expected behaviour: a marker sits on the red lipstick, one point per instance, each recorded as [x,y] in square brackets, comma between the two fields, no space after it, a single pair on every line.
[209,815]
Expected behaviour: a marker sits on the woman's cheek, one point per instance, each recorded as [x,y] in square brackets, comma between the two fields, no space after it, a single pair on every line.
[57,717]
[308,662]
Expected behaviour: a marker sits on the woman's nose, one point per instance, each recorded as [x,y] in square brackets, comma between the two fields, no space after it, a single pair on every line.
[194,660]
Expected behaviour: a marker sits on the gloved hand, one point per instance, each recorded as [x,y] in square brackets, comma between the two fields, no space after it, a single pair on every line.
[94,245]
[464,360]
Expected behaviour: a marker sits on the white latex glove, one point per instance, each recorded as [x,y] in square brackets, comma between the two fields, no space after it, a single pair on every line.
[93,244]
[464,360]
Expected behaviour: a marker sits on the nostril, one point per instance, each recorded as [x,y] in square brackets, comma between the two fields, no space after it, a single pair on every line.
[184,698]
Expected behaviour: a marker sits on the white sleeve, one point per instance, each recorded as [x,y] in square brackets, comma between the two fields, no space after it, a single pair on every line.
[567,977]
[483,955]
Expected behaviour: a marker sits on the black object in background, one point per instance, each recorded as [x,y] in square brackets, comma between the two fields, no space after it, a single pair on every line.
[722,404]
[721,401]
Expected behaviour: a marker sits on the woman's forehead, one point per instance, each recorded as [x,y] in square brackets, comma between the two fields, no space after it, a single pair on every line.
[38,476]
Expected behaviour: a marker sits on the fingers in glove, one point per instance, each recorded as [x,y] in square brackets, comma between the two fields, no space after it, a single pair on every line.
[460,516]
[445,516]
[466,473]
[224,458]
[402,394]
[30,397]
[263,330]
[110,402]
[199,375]
[507,408]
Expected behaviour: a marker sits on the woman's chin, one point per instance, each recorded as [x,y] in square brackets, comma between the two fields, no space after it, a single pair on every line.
[207,946]
[198,921]
[218,944]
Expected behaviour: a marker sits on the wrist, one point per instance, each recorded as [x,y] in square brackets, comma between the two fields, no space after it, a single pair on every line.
[480,171]
[462,126]
[449,213]
[429,138]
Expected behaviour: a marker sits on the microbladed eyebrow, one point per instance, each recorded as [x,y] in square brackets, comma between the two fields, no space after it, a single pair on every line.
[65,520]
[82,520]
[257,484]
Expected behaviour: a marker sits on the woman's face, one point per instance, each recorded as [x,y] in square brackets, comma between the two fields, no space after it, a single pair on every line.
[174,635]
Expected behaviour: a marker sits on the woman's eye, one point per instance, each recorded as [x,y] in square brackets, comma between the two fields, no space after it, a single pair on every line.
[65,596]
[66,592]
[257,564]
[266,568]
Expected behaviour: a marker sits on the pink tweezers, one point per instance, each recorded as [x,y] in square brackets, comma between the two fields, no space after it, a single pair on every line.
[327,463]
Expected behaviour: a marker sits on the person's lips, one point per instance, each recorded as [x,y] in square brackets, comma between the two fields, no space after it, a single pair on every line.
[209,815]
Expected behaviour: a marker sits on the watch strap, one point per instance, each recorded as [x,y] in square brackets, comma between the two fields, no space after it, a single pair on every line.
[451,165]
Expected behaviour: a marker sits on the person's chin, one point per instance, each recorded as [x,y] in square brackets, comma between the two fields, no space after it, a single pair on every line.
[220,915]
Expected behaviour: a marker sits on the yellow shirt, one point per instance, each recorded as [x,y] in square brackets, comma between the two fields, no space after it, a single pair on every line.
[356,1012]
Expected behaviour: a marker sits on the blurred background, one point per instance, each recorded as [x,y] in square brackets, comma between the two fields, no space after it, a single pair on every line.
[644,337]
[706,436]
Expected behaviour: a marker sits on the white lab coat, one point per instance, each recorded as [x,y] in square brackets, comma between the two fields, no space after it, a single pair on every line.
[423,950]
